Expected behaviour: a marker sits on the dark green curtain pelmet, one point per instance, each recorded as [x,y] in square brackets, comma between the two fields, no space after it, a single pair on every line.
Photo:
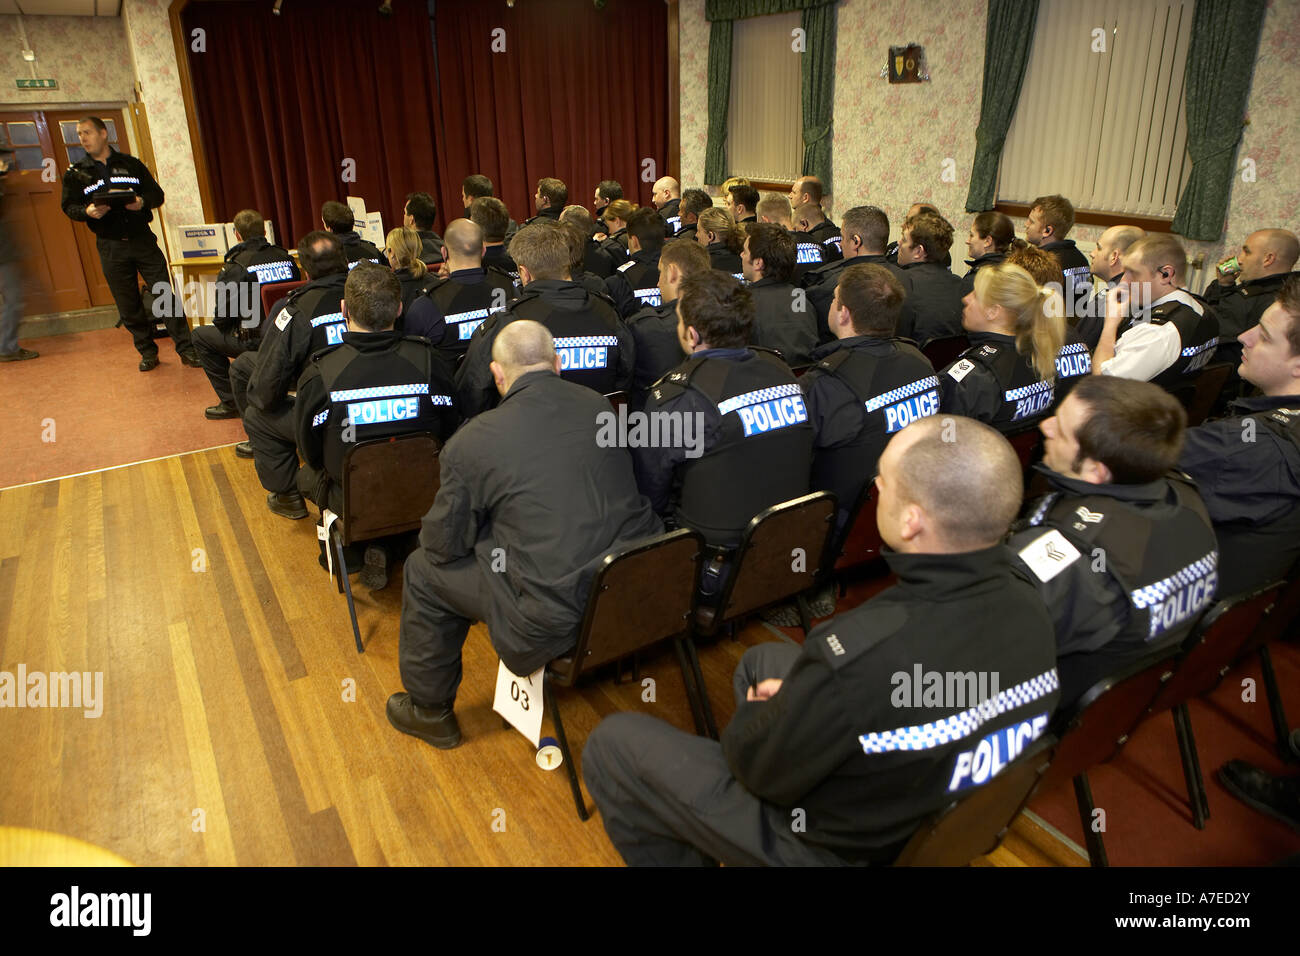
[1008,37]
[1220,62]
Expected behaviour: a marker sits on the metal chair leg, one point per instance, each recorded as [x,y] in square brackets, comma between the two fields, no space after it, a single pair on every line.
[1191,766]
[704,691]
[692,694]
[548,696]
[1275,709]
[347,589]
[1096,846]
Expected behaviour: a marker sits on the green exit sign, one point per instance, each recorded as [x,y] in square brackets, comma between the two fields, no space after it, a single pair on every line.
[37,84]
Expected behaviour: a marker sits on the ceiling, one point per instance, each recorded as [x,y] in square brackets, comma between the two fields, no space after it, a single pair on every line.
[62,8]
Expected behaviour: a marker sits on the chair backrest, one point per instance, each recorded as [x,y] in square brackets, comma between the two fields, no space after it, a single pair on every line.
[976,824]
[768,566]
[388,485]
[941,352]
[1185,392]
[1026,442]
[1209,383]
[861,541]
[1216,642]
[616,399]
[1282,618]
[273,291]
[640,595]
[1093,729]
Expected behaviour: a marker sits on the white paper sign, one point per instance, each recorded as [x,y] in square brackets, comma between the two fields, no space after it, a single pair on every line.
[519,700]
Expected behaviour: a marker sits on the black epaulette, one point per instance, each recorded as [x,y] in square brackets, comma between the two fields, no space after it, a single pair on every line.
[832,362]
[519,300]
[499,271]
[675,382]
[437,283]
[321,353]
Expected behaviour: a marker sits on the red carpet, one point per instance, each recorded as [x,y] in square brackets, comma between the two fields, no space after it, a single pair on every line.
[103,412]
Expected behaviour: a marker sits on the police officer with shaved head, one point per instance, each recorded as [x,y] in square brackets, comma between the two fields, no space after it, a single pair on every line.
[452,307]
[667,197]
[840,748]
[1121,548]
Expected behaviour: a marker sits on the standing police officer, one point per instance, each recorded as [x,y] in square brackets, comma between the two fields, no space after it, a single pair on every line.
[113,193]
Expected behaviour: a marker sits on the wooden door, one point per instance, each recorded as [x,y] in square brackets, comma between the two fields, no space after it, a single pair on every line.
[53,279]
[67,150]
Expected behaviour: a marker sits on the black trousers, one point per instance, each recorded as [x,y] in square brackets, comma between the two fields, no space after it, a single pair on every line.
[667,798]
[273,435]
[439,603]
[216,349]
[122,260]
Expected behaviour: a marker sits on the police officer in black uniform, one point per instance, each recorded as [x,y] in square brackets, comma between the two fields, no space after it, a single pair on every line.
[595,258]
[375,384]
[114,194]
[1239,297]
[990,235]
[594,346]
[936,292]
[755,449]
[338,219]
[237,321]
[865,232]
[1121,549]
[551,198]
[783,318]
[742,202]
[866,385]
[654,327]
[419,214]
[454,306]
[490,215]
[311,320]
[607,190]
[811,221]
[809,254]
[1106,263]
[829,759]
[667,197]
[1247,465]
[1171,335]
[1050,220]
[635,283]
[694,202]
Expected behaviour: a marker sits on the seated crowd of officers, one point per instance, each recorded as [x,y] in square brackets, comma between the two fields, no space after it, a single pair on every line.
[502,340]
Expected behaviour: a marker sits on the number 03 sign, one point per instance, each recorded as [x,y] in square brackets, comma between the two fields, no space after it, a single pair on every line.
[519,700]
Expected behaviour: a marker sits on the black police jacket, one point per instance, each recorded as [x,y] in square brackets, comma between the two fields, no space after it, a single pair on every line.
[597,260]
[968,280]
[249,265]
[783,320]
[355,249]
[373,385]
[810,255]
[860,392]
[821,284]
[412,288]
[993,383]
[1198,337]
[671,216]
[658,349]
[430,247]
[1239,307]
[1078,273]
[496,257]
[859,738]
[528,480]
[594,346]
[1247,468]
[1073,365]
[721,257]
[935,300]
[1125,570]
[85,179]
[635,284]
[311,320]
[452,308]
[755,450]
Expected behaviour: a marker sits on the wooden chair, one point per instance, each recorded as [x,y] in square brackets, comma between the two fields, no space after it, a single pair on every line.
[641,595]
[1279,623]
[272,292]
[976,824]
[943,352]
[1206,390]
[388,486]
[1028,444]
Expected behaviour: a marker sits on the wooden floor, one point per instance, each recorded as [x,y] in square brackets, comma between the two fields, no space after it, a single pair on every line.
[227,736]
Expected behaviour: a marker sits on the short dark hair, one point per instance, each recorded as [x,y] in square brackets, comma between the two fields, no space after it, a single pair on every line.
[337,216]
[744,194]
[776,247]
[373,296]
[869,224]
[1134,428]
[476,185]
[249,224]
[694,202]
[553,191]
[687,254]
[1057,212]
[609,190]
[96,122]
[996,225]
[1288,297]
[648,227]
[320,253]
[874,297]
[542,247]
[491,216]
[577,238]
[932,231]
[422,209]
[810,185]
[718,307]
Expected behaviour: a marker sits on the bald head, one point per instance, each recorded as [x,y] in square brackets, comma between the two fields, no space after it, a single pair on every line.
[1104,262]
[1271,252]
[807,189]
[521,347]
[947,484]
[666,189]
[464,241]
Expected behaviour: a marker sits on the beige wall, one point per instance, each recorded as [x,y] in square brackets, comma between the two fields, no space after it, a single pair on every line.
[891,141]
[86,55]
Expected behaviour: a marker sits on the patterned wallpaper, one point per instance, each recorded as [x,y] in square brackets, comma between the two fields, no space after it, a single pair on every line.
[892,141]
[86,55]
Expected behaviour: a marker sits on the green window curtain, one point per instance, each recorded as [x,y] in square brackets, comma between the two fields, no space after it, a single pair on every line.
[1007,39]
[1220,62]
[817,79]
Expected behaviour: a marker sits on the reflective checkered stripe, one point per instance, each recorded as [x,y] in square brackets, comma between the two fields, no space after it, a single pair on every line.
[674,223]
[1037,517]
[380,391]
[441,400]
[1074,349]
[320,418]
[586,342]
[960,726]
[1198,349]
[1015,394]
[808,252]
[648,296]
[327,319]
[1161,591]
[739,275]
[898,394]
[834,241]
[761,395]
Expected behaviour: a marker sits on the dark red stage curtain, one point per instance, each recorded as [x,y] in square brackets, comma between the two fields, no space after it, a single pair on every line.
[284,100]
[579,94]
